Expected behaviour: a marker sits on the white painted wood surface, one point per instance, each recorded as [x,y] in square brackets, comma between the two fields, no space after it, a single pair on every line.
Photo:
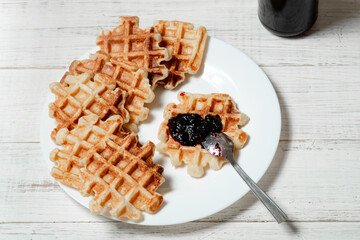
[315,175]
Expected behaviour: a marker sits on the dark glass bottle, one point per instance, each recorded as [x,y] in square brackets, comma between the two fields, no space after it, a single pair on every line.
[288,18]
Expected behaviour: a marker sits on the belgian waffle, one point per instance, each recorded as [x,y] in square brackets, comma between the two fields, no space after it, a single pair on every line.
[82,96]
[77,142]
[131,43]
[128,76]
[112,165]
[186,46]
[196,157]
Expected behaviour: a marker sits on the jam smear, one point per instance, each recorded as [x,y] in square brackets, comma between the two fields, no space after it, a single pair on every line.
[213,122]
[190,129]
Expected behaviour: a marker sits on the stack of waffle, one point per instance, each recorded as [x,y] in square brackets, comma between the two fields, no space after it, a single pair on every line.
[100,102]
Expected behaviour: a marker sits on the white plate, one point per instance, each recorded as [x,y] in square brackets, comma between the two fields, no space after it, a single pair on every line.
[225,70]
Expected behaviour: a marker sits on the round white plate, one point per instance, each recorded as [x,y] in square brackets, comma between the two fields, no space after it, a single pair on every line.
[225,70]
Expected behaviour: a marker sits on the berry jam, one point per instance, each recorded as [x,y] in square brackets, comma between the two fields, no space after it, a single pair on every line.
[213,123]
[190,129]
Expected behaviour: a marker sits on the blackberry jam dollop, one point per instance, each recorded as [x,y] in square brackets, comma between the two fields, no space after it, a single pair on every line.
[190,129]
[213,124]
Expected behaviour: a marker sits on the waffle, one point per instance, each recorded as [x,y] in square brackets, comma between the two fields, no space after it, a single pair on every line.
[77,142]
[196,157]
[98,159]
[80,95]
[186,46]
[131,43]
[129,77]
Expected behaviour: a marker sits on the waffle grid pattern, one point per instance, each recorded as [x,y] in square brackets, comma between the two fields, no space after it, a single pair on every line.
[131,43]
[121,181]
[129,78]
[82,96]
[77,143]
[186,46]
[99,160]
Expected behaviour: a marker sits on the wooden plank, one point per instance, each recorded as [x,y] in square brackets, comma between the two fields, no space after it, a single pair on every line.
[309,179]
[52,34]
[316,102]
[195,230]
[22,96]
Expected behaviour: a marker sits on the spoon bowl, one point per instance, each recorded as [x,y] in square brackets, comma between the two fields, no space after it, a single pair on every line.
[220,145]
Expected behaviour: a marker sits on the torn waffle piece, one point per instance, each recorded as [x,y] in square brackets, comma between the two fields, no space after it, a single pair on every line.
[186,46]
[142,47]
[195,157]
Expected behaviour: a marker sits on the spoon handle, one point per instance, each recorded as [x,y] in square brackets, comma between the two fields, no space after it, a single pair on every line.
[274,209]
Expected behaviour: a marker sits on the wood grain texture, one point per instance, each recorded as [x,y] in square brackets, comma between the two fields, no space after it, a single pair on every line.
[314,176]
[196,230]
[308,179]
[51,34]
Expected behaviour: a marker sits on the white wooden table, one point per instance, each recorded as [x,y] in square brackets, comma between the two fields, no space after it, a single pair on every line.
[315,174]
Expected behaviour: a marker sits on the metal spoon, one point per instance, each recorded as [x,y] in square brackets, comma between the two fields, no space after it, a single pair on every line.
[219,145]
